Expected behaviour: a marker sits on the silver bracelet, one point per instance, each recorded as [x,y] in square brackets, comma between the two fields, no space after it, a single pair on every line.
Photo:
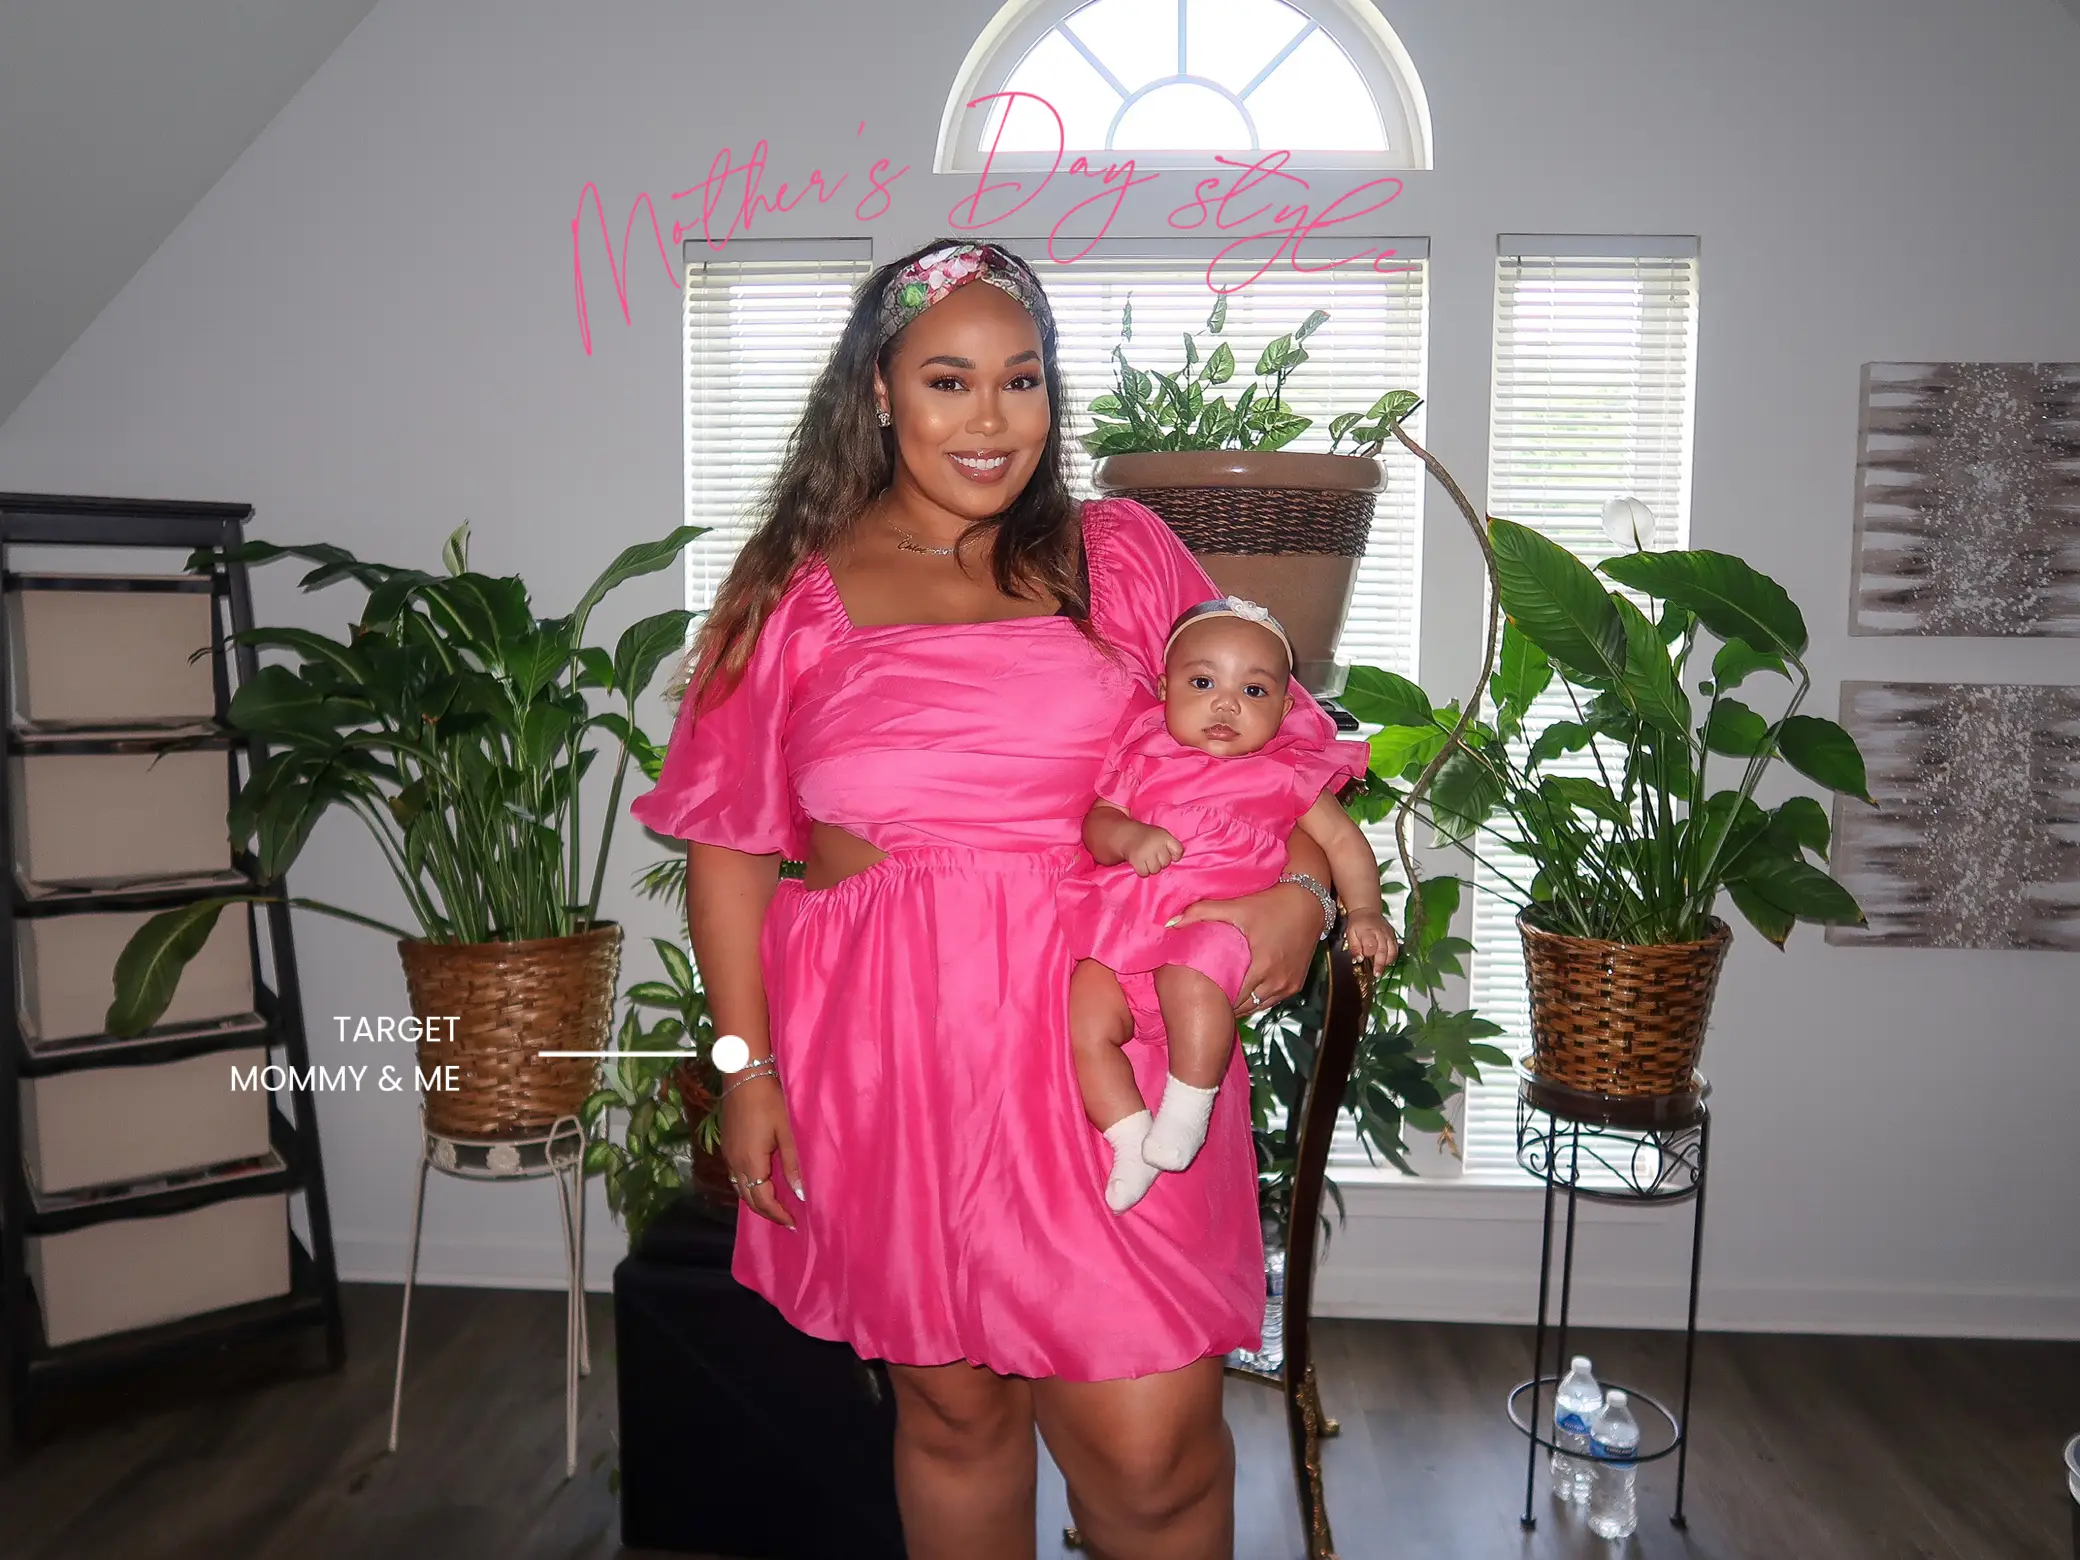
[764,1069]
[1320,892]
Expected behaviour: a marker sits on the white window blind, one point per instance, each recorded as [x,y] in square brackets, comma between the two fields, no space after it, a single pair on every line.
[1594,386]
[1373,342]
[760,325]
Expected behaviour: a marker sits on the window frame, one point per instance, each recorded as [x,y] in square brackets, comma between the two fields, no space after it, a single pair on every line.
[1375,51]
[1497,1095]
[1190,252]
[1434,1165]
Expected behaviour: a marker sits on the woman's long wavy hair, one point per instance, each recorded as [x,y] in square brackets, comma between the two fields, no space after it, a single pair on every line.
[839,458]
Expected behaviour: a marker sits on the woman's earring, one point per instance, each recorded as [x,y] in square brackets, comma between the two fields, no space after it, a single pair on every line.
[881,416]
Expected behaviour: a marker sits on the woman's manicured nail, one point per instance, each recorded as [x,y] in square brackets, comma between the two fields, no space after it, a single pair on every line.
[798,1192]
[1172,921]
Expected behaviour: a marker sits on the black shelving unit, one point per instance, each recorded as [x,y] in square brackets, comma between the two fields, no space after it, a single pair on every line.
[293,1163]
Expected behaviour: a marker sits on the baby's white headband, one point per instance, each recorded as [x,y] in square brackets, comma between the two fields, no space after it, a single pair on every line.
[1230,606]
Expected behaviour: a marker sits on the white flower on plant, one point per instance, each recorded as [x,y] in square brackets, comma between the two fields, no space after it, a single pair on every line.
[1628,523]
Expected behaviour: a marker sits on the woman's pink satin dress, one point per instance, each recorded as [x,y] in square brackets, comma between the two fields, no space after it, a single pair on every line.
[955,1206]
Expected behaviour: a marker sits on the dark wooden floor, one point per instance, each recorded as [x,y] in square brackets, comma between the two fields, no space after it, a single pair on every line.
[1806,1448]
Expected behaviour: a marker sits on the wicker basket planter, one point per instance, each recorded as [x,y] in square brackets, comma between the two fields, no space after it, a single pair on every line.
[512,1000]
[1619,1019]
[1282,527]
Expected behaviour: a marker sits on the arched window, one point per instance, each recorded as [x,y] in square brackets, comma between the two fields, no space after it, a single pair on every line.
[1170,83]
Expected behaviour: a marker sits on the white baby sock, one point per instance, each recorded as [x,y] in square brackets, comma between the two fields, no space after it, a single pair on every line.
[1180,1125]
[1132,1175]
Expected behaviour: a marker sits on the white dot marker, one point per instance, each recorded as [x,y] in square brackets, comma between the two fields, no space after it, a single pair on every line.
[731,1053]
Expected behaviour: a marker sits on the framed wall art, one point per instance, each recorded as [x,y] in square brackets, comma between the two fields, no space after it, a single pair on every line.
[1968,500]
[1975,841]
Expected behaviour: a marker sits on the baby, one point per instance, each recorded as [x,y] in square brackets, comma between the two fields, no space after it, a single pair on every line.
[1195,801]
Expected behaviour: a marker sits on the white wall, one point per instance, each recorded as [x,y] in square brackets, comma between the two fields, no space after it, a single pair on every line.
[366,330]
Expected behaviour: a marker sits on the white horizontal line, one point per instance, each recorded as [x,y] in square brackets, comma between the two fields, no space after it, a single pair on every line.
[652,1055]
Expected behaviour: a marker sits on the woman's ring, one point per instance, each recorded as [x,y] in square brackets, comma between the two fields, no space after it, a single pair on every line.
[745,1186]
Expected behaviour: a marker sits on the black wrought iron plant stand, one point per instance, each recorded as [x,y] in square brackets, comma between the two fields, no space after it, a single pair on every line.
[1615,1151]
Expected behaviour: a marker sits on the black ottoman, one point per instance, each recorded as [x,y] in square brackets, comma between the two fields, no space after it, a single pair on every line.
[741,1436]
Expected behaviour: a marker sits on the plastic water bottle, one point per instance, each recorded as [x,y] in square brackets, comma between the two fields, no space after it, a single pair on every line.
[1574,1406]
[1274,1350]
[1613,1441]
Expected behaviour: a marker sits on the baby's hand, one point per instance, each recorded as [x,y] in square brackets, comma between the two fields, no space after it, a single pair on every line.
[1152,849]
[1369,937]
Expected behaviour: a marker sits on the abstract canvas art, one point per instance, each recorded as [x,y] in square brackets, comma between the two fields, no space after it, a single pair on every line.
[1975,842]
[1968,500]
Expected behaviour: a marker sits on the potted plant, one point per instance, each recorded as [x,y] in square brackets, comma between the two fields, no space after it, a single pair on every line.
[673,1133]
[1280,526]
[1629,838]
[1414,1055]
[457,727]
[669,1139]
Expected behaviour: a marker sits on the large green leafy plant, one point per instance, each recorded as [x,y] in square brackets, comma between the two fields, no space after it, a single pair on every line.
[649,1165]
[1618,806]
[1148,411]
[1637,849]
[456,726]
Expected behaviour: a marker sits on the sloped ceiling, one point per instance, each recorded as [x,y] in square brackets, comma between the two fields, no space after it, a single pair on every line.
[116,117]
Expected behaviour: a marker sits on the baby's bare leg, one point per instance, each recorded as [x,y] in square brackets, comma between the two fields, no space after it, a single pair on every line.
[1201,1026]
[1099,1025]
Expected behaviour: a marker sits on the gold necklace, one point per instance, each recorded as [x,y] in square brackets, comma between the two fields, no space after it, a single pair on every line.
[909,543]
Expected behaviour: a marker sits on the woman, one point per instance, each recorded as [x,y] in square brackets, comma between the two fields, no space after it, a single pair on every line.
[907,682]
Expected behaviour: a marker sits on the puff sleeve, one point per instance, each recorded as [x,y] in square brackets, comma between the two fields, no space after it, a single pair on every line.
[1120,776]
[725,779]
[1326,767]
[1143,576]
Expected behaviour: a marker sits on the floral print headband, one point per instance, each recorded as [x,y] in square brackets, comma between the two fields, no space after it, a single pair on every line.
[1229,606]
[929,278]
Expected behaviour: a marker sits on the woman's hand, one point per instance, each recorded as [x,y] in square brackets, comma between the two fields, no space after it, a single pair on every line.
[1284,926]
[754,1127]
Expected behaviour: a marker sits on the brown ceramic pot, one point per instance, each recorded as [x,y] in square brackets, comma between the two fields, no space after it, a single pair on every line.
[1282,527]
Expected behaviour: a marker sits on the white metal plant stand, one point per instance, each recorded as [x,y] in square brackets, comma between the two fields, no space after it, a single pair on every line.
[559,1152]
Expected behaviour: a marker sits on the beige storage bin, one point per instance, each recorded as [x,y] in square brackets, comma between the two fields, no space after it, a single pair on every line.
[109,656]
[104,1125]
[65,971]
[119,815]
[127,1273]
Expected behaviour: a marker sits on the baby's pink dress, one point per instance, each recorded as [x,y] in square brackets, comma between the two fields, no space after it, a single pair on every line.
[1231,814]
[919,1009]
